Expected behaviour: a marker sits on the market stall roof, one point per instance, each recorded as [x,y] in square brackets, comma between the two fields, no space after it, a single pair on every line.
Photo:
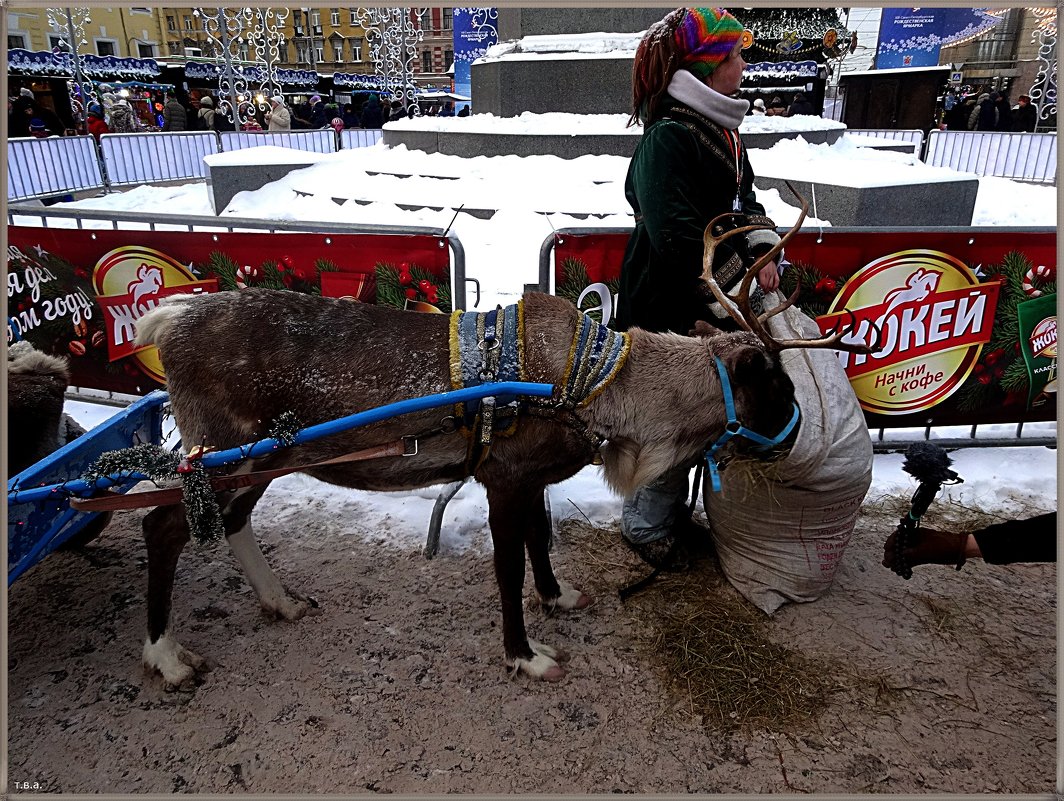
[47,63]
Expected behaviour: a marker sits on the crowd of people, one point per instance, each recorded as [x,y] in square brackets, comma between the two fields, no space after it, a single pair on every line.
[987,110]
[200,111]
[776,107]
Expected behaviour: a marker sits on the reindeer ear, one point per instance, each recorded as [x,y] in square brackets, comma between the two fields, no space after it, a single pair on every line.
[703,329]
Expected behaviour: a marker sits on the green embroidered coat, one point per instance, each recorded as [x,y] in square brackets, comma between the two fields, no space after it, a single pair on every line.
[682,175]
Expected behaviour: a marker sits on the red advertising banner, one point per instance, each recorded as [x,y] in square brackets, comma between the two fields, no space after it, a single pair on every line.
[79,293]
[966,320]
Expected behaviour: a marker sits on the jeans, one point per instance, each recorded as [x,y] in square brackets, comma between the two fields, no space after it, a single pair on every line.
[652,510]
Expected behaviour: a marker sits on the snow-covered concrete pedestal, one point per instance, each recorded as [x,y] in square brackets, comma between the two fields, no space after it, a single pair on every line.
[941,204]
[850,185]
[251,169]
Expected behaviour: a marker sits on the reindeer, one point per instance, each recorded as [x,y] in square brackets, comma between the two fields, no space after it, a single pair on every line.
[328,358]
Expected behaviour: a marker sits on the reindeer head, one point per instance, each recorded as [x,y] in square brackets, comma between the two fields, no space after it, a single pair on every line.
[739,306]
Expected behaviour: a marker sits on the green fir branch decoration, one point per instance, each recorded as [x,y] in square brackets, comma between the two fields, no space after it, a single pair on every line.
[974,396]
[201,505]
[389,291]
[574,280]
[1015,377]
[271,276]
[393,294]
[222,267]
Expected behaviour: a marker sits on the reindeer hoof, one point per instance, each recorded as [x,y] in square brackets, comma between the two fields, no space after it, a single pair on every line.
[292,607]
[178,666]
[543,664]
[568,598]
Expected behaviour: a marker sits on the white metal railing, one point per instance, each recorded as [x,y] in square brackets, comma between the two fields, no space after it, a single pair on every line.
[1019,156]
[136,158]
[914,136]
[54,165]
[360,137]
[317,141]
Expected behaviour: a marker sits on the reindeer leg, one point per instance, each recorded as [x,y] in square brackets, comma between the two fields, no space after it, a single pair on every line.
[551,593]
[276,600]
[165,535]
[507,517]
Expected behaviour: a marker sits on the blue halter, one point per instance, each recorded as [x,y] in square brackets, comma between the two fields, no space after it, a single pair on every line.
[736,429]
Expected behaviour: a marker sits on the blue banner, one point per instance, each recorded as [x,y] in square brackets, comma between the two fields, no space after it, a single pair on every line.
[475,30]
[909,37]
[913,37]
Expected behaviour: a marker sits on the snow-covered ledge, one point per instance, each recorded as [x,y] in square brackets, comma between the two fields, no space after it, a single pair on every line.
[572,135]
[250,169]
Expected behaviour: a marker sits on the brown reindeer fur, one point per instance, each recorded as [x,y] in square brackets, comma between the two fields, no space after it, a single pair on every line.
[235,361]
[36,383]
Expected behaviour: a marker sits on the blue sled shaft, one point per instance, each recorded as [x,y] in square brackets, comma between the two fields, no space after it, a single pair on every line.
[309,434]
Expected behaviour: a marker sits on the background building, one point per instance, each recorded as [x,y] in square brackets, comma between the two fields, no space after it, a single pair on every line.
[123,32]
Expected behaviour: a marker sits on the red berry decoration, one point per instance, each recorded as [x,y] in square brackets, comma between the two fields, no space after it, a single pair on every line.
[424,285]
[404,267]
[994,357]
[826,286]
[411,294]
[287,262]
[404,278]
[432,298]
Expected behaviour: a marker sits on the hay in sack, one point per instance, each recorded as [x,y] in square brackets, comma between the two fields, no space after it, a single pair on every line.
[781,529]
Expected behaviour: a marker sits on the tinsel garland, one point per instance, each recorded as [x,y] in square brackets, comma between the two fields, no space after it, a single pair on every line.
[201,505]
[285,428]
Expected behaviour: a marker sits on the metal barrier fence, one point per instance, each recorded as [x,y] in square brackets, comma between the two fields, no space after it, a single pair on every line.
[1018,156]
[914,137]
[136,158]
[317,141]
[59,165]
[359,137]
[898,440]
[55,165]
[99,219]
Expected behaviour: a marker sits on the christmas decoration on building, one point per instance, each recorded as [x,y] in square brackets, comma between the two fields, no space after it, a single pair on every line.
[70,24]
[393,35]
[225,29]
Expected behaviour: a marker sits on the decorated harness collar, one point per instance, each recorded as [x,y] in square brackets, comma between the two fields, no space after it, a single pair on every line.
[489,346]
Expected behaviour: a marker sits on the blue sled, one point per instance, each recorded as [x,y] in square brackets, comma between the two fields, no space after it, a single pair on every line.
[36,528]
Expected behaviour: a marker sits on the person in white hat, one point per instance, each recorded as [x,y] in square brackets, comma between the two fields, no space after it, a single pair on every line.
[279,118]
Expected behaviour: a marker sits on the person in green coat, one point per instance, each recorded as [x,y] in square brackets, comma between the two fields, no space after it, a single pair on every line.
[689,167]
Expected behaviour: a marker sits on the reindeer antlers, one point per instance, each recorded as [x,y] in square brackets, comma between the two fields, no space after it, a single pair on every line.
[739,306]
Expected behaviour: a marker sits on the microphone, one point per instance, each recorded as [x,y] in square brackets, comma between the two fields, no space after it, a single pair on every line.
[928,464]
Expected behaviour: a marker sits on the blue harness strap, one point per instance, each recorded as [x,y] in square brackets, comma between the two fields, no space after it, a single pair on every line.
[736,429]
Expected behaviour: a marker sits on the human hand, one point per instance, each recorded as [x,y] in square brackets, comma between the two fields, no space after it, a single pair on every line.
[926,546]
[768,277]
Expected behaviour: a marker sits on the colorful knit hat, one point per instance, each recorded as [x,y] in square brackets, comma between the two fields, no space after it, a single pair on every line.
[704,39]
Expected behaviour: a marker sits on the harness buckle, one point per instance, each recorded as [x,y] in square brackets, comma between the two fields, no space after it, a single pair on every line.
[410,447]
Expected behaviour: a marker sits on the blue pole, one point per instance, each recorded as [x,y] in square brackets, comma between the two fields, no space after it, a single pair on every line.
[309,434]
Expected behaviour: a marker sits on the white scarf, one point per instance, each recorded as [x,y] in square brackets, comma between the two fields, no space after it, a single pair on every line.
[723,110]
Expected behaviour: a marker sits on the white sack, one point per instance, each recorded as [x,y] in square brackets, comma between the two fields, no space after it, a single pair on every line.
[780,532]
